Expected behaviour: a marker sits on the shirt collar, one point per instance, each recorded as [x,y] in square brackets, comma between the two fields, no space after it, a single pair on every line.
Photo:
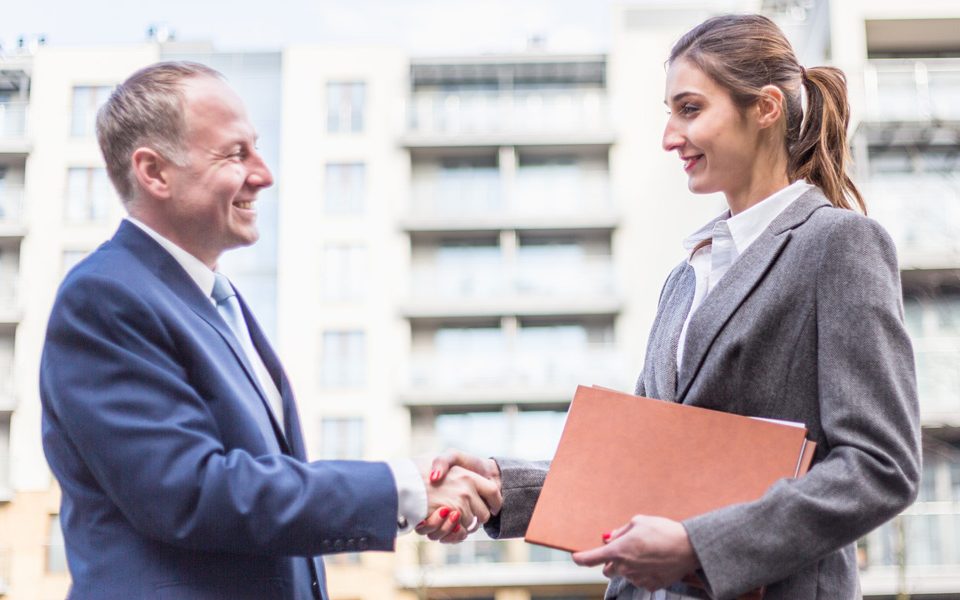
[747,226]
[198,272]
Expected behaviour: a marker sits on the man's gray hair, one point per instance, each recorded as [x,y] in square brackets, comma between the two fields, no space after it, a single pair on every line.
[146,110]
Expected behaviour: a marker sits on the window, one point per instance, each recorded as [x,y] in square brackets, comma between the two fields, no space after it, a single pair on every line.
[89,195]
[87,100]
[344,188]
[343,272]
[341,439]
[56,551]
[343,359]
[345,106]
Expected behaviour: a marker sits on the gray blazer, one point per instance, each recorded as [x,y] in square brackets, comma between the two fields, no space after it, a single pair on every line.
[807,325]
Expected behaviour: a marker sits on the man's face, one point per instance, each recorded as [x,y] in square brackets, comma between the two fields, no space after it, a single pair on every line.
[212,198]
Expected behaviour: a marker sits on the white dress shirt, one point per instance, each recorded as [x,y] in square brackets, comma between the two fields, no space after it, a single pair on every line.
[411,491]
[731,235]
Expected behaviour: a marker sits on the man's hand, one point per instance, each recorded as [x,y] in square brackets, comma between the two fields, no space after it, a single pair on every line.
[652,552]
[449,522]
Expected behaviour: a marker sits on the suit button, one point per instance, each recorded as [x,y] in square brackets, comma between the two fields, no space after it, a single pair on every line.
[338,546]
[351,544]
[362,544]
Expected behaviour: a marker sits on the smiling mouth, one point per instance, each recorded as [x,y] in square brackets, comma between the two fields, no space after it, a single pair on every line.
[690,161]
[245,205]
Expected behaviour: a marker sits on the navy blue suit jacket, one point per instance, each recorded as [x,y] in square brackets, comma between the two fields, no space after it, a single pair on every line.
[171,489]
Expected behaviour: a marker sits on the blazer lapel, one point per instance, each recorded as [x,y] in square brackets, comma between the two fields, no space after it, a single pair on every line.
[169,271]
[290,437]
[738,283]
[667,337]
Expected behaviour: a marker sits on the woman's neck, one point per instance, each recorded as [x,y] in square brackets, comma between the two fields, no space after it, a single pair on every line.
[766,176]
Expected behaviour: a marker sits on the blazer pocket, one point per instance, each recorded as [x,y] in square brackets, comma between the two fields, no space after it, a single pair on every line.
[258,589]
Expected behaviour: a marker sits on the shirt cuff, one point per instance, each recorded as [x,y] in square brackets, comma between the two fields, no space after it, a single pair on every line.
[411,494]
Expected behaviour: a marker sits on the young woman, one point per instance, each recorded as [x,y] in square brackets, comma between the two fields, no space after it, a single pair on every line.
[788,306]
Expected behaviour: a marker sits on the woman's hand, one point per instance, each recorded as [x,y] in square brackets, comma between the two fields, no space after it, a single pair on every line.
[651,552]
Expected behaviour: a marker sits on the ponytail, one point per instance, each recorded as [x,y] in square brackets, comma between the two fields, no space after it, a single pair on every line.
[821,154]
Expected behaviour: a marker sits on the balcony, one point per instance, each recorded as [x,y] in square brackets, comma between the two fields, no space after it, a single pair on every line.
[938,380]
[13,128]
[561,116]
[11,206]
[8,389]
[549,375]
[922,213]
[913,90]
[581,201]
[536,288]
[932,558]
[9,308]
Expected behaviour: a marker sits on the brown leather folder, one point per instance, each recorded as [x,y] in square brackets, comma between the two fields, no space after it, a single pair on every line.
[621,455]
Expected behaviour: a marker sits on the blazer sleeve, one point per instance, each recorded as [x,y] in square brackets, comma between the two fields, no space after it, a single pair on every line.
[117,393]
[869,419]
[520,485]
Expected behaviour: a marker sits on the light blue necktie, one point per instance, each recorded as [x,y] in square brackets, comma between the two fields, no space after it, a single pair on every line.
[229,308]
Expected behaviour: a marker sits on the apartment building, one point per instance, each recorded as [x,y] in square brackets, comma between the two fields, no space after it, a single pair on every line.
[455,242]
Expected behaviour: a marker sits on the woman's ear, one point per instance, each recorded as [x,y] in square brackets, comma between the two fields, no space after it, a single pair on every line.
[770,106]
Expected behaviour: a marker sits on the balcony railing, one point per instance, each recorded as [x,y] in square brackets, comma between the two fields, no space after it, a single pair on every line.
[929,532]
[922,213]
[529,196]
[908,90]
[512,370]
[538,279]
[8,294]
[13,119]
[11,203]
[559,111]
[938,377]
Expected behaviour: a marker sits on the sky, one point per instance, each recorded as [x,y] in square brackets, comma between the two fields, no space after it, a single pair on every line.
[420,27]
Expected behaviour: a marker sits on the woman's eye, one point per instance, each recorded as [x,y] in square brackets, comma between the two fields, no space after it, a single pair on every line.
[688,109]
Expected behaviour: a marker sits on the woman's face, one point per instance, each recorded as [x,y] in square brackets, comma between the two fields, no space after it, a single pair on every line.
[717,142]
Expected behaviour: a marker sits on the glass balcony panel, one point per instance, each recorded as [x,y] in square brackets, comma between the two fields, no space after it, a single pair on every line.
[11,203]
[13,119]
[908,89]
[513,369]
[921,212]
[938,375]
[546,111]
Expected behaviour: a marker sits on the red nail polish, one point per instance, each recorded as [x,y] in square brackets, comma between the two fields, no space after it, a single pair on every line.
[434,476]
[606,536]
[444,512]
[457,528]
[455,516]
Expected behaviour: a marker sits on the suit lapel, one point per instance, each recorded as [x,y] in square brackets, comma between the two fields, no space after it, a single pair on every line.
[738,283]
[291,437]
[169,271]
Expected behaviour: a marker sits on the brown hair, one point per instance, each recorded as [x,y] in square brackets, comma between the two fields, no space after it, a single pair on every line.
[145,110]
[743,53]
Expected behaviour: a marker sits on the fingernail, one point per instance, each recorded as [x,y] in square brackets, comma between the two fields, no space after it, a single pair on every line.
[606,536]
[444,512]
[434,476]
[457,528]
[422,523]
[455,516]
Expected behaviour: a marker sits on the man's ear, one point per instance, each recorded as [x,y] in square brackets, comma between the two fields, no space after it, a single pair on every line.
[769,107]
[151,171]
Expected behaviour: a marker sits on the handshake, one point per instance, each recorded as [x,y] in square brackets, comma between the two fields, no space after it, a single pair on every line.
[463,492]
